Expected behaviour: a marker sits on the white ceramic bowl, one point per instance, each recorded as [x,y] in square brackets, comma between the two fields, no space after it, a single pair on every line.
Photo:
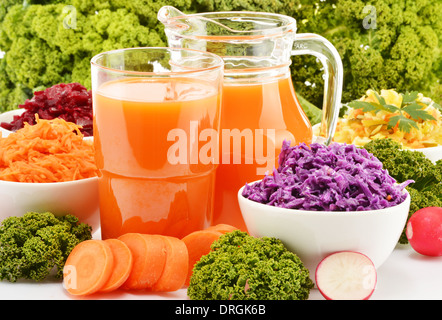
[432,153]
[312,235]
[8,116]
[79,198]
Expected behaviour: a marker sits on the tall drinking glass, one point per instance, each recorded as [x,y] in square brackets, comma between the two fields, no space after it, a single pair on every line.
[156,122]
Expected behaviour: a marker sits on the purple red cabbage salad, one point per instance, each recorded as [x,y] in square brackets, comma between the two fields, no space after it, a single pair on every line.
[338,177]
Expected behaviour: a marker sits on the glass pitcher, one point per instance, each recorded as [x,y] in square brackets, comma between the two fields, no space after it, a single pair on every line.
[259,105]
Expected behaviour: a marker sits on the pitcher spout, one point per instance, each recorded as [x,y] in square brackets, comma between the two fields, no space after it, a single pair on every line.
[166,16]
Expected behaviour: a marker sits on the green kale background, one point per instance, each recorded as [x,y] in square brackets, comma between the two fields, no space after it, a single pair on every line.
[402,52]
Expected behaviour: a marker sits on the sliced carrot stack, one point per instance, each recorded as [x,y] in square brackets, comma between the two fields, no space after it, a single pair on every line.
[198,244]
[175,270]
[88,267]
[137,261]
[157,251]
[223,228]
[123,262]
[149,254]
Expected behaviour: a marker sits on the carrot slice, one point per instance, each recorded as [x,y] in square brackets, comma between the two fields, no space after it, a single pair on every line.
[149,254]
[157,252]
[222,227]
[88,267]
[122,265]
[198,244]
[175,270]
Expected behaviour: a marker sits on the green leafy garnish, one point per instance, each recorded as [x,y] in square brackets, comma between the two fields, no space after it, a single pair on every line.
[409,106]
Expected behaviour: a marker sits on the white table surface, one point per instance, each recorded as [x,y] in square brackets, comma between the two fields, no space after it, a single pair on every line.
[406,275]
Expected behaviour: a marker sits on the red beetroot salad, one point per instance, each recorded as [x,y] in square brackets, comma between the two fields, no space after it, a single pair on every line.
[71,102]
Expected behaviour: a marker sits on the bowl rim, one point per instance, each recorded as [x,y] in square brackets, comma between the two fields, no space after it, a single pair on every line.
[13,112]
[64,183]
[280,210]
[418,149]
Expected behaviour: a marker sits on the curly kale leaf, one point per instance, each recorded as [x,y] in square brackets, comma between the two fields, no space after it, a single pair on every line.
[404,165]
[242,267]
[53,43]
[401,50]
[33,245]
[383,44]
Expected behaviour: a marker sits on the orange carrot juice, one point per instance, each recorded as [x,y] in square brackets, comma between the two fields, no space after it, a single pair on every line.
[142,186]
[271,107]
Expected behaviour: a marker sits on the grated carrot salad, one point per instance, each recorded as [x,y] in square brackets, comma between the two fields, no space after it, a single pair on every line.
[49,151]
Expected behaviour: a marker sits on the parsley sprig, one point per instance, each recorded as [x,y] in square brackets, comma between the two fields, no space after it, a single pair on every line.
[409,106]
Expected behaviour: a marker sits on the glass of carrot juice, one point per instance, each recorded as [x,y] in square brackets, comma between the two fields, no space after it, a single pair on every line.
[156,122]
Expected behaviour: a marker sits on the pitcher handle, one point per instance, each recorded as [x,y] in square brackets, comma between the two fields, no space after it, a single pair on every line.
[318,46]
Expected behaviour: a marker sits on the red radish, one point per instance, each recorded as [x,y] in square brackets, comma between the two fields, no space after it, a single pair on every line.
[346,275]
[424,231]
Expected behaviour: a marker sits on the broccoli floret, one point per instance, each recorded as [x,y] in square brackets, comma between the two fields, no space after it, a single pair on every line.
[32,245]
[405,165]
[242,267]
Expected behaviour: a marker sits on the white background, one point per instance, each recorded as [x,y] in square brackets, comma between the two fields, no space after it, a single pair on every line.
[406,275]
